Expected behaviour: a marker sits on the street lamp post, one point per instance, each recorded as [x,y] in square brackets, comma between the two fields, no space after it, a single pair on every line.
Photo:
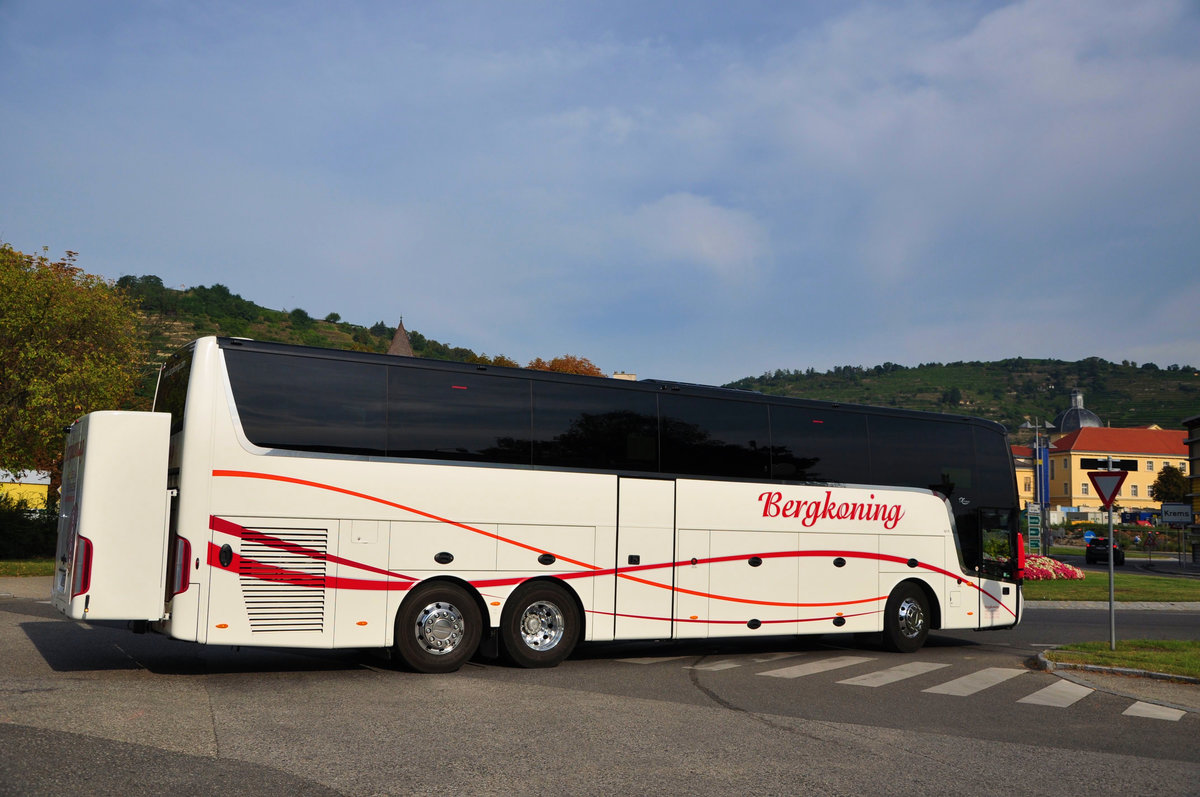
[1039,470]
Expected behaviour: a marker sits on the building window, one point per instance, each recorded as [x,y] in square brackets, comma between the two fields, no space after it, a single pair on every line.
[1028,484]
[1150,465]
[1183,467]
[1052,471]
[1083,488]
[1133,490]
[1066,489]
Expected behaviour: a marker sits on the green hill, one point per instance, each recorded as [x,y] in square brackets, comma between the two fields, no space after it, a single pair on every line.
[172,317]
[1008,391]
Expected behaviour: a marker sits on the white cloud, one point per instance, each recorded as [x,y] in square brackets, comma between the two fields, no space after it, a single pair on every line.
[691,230]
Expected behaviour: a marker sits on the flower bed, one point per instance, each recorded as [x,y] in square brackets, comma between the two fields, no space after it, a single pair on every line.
[1043,568]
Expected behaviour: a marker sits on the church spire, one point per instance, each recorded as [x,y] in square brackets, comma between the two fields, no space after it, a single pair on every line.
[400,344]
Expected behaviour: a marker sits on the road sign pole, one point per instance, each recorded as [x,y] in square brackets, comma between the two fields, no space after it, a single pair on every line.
[1108,485]
[1112,592]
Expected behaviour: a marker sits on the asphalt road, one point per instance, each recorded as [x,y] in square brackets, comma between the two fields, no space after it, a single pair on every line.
[102,711]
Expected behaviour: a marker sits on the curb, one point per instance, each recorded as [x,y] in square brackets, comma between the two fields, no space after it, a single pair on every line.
[1044,664]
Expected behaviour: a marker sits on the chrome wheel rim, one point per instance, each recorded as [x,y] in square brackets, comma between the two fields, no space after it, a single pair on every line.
[541,626]
[440,628]
[912,618]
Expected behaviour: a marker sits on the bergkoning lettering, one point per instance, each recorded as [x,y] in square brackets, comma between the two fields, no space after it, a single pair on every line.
[809,512]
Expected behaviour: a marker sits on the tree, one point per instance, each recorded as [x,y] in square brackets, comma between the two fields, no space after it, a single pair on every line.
[567,364]
[301,319]
[1170,487]
[69,344]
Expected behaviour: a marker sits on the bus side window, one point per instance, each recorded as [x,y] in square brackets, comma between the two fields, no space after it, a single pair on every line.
[818,445]
[447,415]
[334,406]
[714,437]
[585,426]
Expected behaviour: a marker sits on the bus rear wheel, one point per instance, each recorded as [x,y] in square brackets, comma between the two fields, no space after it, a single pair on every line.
[906,619]
[438,628]
[539,626]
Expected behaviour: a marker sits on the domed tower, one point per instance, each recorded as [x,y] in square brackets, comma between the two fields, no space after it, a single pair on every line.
[1075,418]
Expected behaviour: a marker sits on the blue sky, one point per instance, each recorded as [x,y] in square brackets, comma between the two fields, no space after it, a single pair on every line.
[698,191]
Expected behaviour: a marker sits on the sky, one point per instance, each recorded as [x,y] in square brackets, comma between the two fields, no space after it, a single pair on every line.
[698,191]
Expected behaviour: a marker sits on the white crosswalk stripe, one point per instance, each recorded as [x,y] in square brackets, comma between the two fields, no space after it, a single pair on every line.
[651,659]
[1151,711]
[975,682]
[1058,695]
[814,667]
[894,674]
[715,666]
[775,657]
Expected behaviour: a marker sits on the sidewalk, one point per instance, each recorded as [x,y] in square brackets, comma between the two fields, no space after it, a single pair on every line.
[30,587]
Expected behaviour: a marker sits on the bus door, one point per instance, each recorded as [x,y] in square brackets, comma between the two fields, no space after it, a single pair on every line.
[997,597]
[645,558]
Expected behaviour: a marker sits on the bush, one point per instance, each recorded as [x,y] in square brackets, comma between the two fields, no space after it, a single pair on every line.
[26,533]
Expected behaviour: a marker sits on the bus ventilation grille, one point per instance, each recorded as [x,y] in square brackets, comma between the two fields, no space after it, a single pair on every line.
[283,579]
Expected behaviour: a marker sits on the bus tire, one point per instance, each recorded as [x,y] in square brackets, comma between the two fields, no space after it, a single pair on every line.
[539,626]
[438,628]
[906,618]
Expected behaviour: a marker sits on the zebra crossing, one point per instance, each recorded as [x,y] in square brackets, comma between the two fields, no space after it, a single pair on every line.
[1060,694]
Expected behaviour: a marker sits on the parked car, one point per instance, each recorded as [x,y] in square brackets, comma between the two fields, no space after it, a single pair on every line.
[1097,551]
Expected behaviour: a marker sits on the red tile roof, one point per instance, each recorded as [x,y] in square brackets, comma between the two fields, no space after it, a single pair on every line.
[1163,442]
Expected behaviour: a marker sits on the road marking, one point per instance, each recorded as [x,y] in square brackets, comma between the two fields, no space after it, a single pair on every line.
[652,659]
[1058,695]
[975,682]
[894,674]
[774,657]
[814,667]
[1151,711]
[724,664]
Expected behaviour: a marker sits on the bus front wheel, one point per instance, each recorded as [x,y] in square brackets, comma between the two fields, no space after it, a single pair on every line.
[438,628]
[906,618]
[539,626]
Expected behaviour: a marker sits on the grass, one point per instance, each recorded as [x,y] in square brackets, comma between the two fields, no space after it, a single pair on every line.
[1127,587]
[1170,656]
[27,567]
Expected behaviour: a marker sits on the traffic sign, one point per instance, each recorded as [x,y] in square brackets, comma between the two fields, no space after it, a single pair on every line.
[1108,484]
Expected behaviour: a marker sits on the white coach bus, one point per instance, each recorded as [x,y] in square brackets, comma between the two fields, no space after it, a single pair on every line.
[300,497]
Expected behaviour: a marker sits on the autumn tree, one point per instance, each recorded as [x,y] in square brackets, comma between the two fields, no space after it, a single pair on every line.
[567,364]
[69,344]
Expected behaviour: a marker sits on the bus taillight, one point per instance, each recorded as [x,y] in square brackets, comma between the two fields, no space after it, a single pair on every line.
[1020,557]
[180,573]
[81,568]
